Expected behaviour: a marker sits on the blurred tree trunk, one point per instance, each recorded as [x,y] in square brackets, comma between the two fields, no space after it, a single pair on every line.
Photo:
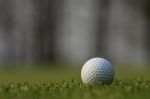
[44,21]
[127,27]
[76,30]
[102,26]
[6,27]
[23,31]
[147,34]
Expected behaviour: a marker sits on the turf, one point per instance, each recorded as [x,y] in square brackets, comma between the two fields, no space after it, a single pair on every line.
[119,89]
[54,83]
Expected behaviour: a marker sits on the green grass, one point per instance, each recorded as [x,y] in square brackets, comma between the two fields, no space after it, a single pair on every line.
[52,83]
[119,89]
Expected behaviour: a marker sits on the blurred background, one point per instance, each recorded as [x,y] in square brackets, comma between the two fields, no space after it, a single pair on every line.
[72,31]
[66,33]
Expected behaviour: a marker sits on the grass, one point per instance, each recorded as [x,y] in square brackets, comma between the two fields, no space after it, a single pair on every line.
[52,83]
[119,89]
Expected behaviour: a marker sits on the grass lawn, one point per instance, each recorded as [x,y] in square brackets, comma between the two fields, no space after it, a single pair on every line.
[60,83]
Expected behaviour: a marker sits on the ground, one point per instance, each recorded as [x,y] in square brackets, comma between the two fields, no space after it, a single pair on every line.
[65,83]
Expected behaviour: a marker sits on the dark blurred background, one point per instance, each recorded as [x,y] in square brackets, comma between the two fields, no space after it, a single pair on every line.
[73,31]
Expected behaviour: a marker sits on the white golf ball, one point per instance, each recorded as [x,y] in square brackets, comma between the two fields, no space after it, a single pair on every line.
[97,71]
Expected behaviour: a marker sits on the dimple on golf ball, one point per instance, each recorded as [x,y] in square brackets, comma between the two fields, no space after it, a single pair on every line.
[97,71]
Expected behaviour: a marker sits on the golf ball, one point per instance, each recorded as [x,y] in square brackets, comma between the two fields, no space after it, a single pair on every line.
[97,71]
